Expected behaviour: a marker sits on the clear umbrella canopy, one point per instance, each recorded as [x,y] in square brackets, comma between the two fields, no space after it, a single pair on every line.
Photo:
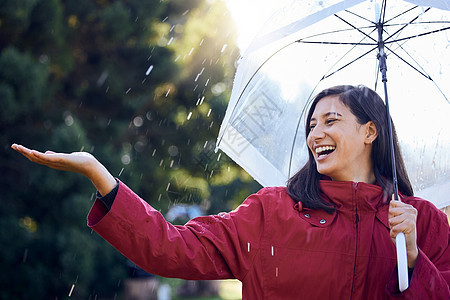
[306,47]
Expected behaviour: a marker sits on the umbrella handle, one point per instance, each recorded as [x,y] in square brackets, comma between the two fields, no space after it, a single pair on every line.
[402,262]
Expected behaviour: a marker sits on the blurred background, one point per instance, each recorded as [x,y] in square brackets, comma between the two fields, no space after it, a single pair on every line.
[143,86]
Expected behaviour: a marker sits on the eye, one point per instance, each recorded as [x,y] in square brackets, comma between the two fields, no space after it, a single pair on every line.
[330,121]
[311,127]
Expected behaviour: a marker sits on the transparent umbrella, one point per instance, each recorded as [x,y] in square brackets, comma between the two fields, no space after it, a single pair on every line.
[399,48]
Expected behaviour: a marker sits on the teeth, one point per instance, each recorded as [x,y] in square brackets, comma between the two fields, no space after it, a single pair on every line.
[324,148]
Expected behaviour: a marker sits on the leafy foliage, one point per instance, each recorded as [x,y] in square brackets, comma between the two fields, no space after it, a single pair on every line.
[143,85]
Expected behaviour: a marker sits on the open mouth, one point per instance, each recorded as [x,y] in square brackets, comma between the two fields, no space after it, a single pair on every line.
[324,151]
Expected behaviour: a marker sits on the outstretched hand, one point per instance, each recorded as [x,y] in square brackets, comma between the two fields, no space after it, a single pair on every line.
[402,218]
[78,162]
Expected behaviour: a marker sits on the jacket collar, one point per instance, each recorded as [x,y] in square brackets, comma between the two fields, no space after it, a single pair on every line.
[348,195]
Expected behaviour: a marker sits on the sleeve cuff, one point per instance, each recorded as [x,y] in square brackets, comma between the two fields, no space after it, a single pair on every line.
[108,199]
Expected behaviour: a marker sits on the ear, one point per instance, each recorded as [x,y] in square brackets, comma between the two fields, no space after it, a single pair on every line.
[371,133]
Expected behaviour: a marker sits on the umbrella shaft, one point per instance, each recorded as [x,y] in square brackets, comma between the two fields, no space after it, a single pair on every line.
[383,70]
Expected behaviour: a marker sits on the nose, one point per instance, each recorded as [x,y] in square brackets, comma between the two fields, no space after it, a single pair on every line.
[316,133]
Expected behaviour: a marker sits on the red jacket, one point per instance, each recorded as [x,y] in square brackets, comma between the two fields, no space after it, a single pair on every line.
[281,251]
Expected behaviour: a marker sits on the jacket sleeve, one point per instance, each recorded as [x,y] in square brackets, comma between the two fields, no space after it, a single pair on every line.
[431,275]
[211,247]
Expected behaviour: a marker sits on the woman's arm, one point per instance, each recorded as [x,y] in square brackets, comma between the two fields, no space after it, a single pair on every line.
[77,162]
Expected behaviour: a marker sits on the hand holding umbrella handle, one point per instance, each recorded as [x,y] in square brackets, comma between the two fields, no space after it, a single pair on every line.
[402,262]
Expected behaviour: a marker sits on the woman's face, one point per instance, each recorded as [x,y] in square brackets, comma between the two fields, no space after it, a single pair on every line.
[340,145]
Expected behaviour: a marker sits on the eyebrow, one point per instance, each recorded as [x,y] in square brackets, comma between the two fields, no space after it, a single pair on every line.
[328,114]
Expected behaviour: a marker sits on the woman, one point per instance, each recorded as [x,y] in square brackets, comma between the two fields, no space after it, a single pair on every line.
[329,234]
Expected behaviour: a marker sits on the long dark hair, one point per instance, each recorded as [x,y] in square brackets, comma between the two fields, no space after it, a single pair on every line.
[367,106]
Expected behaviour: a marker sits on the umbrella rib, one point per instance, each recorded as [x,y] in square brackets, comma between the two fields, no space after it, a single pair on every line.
[346,65]
[407,24]
[424,73]
[409,64]
[336,43]
[354,27]
[402,13]
[377,73]
[330,32]
[355,14]
[417,35]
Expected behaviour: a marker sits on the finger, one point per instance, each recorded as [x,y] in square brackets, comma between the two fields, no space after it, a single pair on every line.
[21,149]
[406,211]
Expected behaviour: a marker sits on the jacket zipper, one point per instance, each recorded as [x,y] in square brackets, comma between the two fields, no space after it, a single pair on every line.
[355,186]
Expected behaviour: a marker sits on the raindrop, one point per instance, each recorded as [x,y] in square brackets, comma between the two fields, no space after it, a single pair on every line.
[209,112]
[189,115]
[204,146]
[128,91]
[138,121]
[276,272]
[168,186]
[218,157]
[248,247]
[43,59]
[207,81]
[120,173]
[167,94]
[178,57]
[224,48]
[201,42]
[101,80]
[68,119]
[170,41]
[190,52]
[273,252]
[165,19]
[154,152]
[161,162]
[173,150]
[186,12]
[171,163]
[107,89]
[71,290]
[149,70]
[25,256]
[172,28]
[218,88]
[126,159]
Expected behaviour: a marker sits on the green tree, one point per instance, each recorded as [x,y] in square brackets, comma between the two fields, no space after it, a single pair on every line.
[143,85]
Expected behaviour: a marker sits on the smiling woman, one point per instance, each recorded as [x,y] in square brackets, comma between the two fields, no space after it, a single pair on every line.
[341,146]
[329,234]
[352,121]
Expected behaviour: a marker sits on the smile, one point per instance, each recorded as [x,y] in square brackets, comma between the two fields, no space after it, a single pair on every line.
[324,150]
